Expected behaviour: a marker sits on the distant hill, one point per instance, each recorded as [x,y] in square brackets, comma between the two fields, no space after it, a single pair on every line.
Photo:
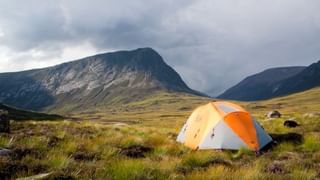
[19,114]
[275,82]
[260,86]
[306,79]
[97,81]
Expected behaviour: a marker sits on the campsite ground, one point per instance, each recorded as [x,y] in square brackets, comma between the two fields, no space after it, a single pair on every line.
[137,141]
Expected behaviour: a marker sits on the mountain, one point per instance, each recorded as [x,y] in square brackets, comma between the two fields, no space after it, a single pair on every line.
[96,81]
[19,114]
[261,85]
[275,82]
[306,79]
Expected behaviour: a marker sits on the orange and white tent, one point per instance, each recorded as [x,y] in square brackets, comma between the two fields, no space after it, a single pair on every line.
[222,125]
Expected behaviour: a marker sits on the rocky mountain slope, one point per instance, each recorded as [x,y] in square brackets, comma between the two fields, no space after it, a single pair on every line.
[275,82]
[95,81]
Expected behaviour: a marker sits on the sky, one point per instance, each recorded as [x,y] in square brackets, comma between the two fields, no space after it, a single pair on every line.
[212,44]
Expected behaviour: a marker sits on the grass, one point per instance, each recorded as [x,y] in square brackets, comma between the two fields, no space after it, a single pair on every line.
[90,145]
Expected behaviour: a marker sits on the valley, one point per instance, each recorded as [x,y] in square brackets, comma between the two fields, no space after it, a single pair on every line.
[119,117]
[93,145]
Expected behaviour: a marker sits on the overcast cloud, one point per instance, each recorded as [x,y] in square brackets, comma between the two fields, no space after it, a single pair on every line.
[212,43]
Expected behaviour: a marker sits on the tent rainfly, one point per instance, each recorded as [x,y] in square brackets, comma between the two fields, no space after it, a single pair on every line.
[222,125]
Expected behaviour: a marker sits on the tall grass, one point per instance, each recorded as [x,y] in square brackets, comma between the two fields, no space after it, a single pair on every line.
[311,142]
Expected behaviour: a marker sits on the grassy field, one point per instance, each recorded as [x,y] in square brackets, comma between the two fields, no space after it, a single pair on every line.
[137,141]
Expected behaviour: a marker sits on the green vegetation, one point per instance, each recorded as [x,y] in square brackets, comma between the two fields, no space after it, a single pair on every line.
[18,114]
[96,144]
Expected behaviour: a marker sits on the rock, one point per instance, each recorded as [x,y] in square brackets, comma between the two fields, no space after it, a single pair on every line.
[4,122]
[273,114]
[5,152]
[135,151]
[290,123]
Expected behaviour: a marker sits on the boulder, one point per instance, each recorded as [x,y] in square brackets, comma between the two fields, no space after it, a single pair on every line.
[290,123]
[273,114]
[4,122]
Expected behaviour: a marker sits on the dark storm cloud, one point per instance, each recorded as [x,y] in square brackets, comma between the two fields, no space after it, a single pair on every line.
[212,44]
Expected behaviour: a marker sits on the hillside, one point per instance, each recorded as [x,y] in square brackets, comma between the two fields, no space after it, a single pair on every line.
[261,85]
[302,102]
[275,82]
[306,79]
[20,115]
[97,81]
[170,107]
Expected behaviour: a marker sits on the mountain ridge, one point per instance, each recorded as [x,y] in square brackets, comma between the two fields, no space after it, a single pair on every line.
[306,79]
[97,80]
[275,82]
